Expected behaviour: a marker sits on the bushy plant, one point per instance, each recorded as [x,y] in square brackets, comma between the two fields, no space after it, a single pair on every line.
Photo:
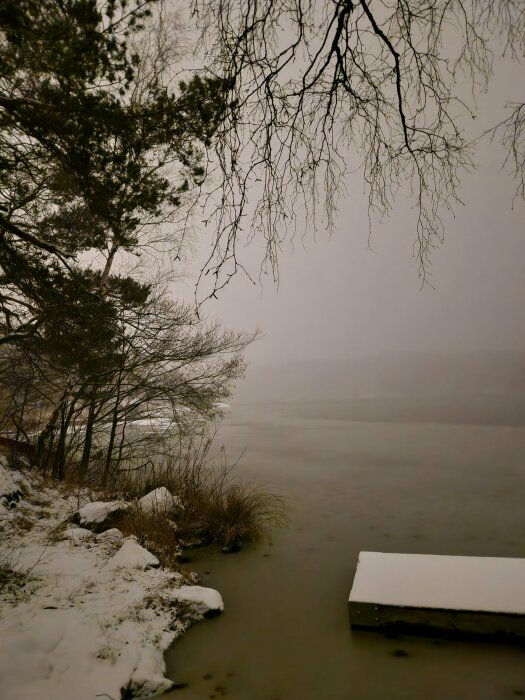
[217,509]
[154,530]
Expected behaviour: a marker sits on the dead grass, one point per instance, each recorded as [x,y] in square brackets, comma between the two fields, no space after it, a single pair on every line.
[56,534]
[24,523]
[16,583]
[239,514]
[217,509]
[10,577]
[155,531]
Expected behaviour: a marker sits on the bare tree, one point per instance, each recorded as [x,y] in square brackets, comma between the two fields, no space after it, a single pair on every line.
[506,20]
[511,132]
[319,89]
[166,364]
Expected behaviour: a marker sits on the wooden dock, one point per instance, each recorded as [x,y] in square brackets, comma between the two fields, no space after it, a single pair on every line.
[434,594]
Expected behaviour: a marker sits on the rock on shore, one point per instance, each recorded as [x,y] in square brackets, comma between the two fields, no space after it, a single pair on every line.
[84,615]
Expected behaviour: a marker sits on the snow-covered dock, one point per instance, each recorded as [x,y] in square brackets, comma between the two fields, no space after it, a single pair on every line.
[433,593]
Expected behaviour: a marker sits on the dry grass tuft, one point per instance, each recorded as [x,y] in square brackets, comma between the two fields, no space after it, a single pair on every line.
[16,583]
[216,509]
[234,515]
[10,578]
[24,523]
[155,531]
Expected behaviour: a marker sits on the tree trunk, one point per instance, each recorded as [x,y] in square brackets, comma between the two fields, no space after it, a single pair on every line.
[88,440]
[45,440]
[112,436]
[59,467]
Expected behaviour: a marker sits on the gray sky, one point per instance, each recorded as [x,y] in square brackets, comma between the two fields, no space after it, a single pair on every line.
[339,299]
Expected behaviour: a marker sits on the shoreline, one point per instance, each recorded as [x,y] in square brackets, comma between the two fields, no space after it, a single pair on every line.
[77,620]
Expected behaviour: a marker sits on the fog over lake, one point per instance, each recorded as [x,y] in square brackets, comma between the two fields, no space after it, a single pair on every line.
[262,302]
[395,476]
[392,417]
[356,297]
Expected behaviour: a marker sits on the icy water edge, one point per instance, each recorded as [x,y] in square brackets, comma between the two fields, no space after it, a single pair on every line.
[354,483]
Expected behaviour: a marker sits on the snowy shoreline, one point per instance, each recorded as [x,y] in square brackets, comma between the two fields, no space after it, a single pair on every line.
[83,615]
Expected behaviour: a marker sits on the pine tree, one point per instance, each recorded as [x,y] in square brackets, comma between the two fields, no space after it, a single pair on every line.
[88,159]
[97,150]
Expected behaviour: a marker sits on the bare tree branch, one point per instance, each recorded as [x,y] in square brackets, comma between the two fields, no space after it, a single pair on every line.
[34,240]
[322,89]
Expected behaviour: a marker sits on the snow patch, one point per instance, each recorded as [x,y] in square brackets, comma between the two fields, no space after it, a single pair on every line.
[77,534]
[10,480]
[159,500]
[132,556]
[12,487]
[206,601]
[82,628]
[5,512]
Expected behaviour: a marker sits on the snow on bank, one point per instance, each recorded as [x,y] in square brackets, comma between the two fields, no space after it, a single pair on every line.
[205,601]
[84,615]
[160,500]
[98,512]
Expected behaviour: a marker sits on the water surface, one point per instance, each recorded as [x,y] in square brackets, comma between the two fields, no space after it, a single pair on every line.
[355,481]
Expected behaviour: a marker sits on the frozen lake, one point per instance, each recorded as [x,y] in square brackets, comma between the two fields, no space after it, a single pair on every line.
[357,477]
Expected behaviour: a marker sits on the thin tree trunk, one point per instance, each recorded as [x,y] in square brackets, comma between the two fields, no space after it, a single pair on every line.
[88,440]
[46,438]
[122,441]
[62,453]
[113,433]
[59,466]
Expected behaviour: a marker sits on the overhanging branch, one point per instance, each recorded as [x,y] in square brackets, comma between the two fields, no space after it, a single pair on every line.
[34,240]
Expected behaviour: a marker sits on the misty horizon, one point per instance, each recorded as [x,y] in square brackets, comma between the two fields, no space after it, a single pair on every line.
[481,377]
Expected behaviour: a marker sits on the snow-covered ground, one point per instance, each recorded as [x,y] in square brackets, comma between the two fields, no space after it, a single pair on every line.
[82,615]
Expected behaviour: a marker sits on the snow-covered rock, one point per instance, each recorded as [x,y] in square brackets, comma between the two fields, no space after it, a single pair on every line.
[81,628]
[9,500]
[11,483]
[77,534]
[100,515]
[160,500]
[204,601]
[133,556]
[12,486]
[111,535]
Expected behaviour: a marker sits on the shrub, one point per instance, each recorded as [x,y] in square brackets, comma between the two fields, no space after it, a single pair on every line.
[238,514]
[216,510]
[154,530]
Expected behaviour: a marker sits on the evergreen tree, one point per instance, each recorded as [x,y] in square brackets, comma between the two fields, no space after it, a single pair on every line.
[97,151]
[92,153]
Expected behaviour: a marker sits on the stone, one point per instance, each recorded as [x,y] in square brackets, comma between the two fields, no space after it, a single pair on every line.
[160,501]
[133,556]
[100,515]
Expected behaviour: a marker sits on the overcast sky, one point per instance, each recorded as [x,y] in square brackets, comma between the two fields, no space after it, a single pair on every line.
[339,299]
